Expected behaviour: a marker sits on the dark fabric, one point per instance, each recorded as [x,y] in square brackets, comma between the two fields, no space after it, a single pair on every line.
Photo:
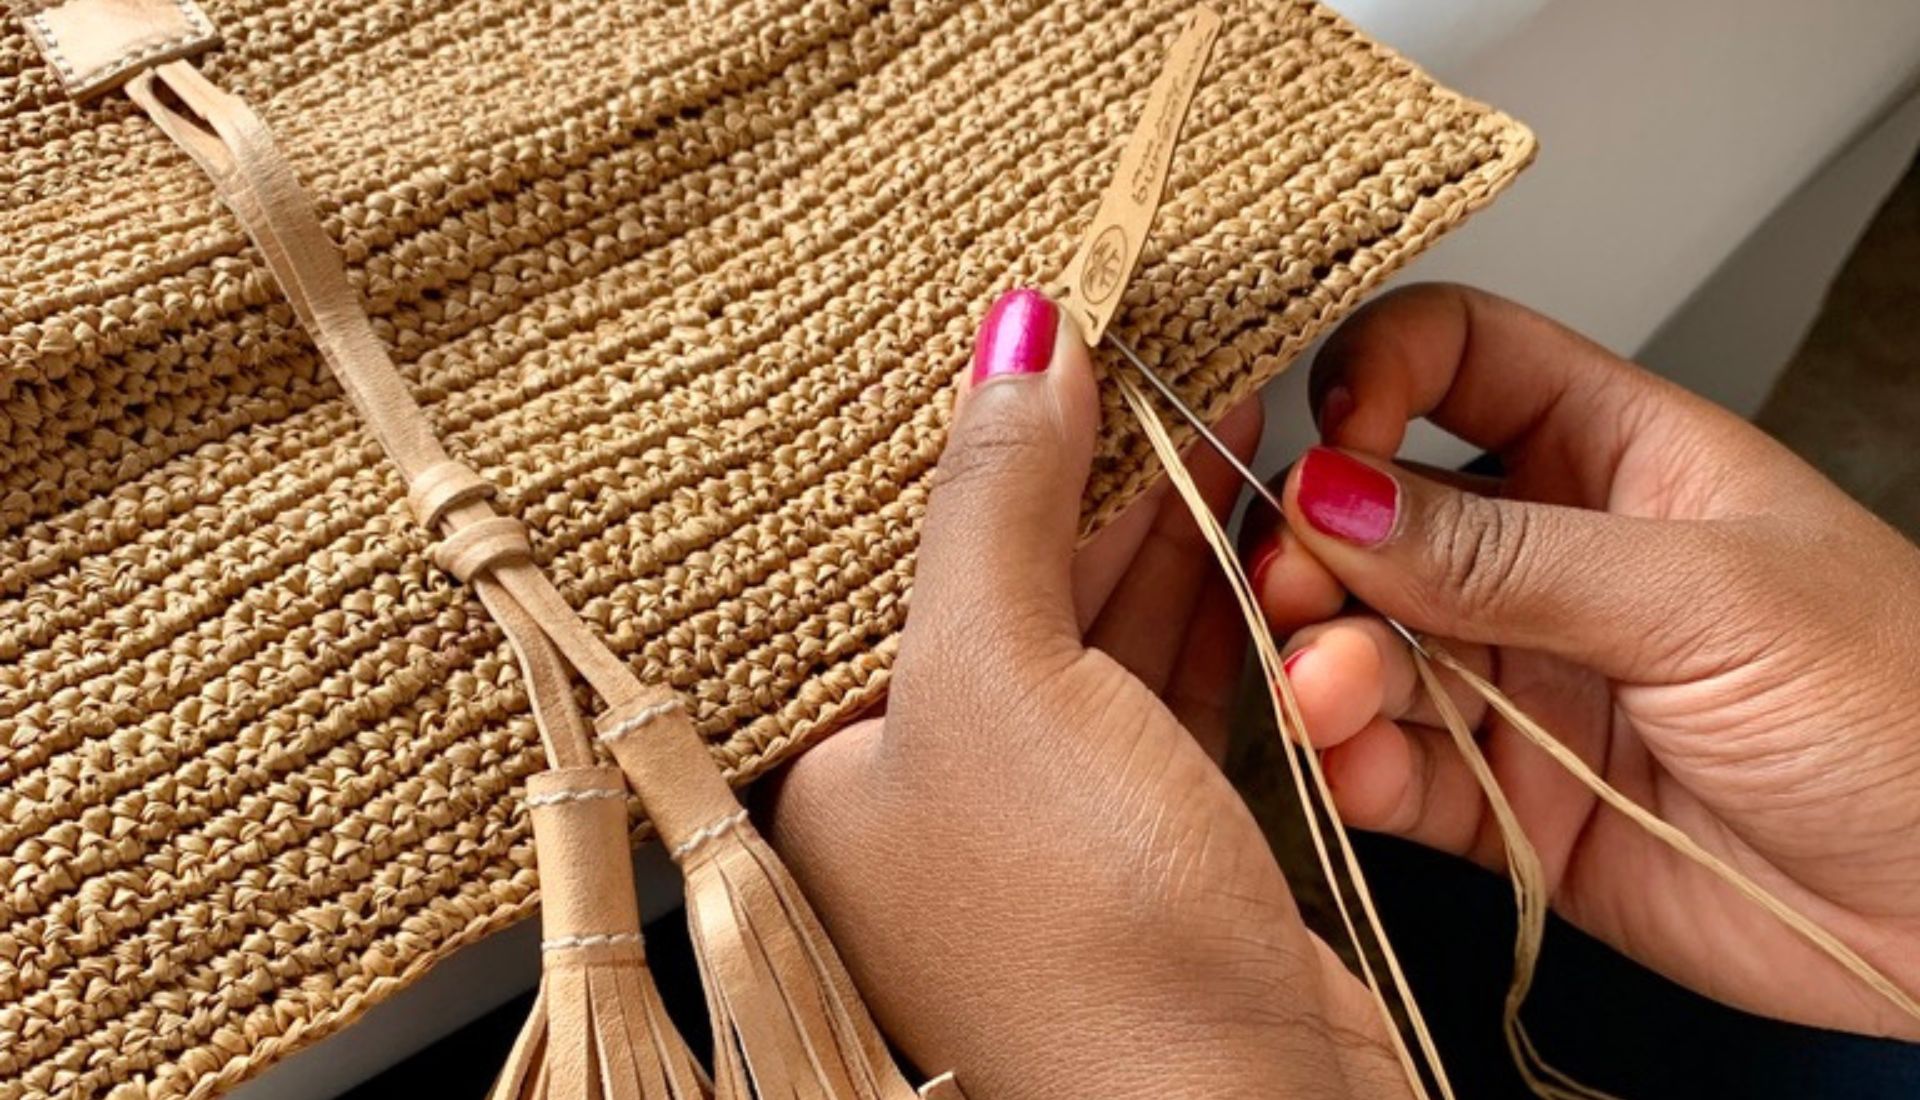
[1594,1014]
[463,1065]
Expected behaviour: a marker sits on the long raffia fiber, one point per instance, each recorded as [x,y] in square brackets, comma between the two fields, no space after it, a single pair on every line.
[689,282]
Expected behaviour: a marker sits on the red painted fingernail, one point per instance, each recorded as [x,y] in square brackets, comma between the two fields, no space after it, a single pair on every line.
[1293,658]
[1347,498]
[1334,410]
[1262,563]
[1016,337]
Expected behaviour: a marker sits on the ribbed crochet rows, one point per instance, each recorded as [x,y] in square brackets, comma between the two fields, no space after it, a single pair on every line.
[691,286]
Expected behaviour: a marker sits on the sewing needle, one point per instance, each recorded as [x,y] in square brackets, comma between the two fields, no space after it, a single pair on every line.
[1220,448]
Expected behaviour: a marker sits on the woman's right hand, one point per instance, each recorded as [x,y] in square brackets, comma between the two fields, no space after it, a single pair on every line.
[1712,625]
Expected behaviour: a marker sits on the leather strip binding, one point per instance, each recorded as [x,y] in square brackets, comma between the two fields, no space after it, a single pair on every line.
[786,1017]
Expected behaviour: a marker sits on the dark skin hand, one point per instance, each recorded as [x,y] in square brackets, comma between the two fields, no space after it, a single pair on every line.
[1039,875]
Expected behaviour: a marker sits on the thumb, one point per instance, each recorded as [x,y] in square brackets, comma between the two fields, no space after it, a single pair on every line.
[1604,590]
[996,549]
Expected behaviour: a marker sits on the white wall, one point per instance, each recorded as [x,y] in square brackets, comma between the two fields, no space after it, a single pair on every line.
[1670,131]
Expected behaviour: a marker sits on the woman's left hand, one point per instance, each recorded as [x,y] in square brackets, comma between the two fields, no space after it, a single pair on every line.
[1033,864]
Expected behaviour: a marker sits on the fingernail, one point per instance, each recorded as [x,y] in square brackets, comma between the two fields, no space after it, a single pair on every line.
[1262,563]
[1293,658]
[1346,498]
[1334,410]
[1016,337]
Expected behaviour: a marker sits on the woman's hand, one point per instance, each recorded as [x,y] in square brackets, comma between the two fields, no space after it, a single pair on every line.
[1033,865]
[1716,628]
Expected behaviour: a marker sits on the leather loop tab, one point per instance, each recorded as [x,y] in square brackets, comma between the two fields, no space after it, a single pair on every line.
[667,764]
[95,45]
[443,487]
[588,909]
[483,545]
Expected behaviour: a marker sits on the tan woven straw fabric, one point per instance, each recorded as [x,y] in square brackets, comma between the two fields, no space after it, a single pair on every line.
[690,283]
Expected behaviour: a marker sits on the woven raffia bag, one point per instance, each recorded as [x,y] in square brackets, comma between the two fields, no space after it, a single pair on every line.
[400,398]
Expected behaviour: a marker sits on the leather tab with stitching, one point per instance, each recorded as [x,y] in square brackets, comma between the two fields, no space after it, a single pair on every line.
[97,45]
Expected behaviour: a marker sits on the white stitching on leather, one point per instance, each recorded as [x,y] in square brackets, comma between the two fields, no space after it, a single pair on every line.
[708,834]
[629,726]
[198,27]
[558,797]
[47,39]
[195,17]
[574,943]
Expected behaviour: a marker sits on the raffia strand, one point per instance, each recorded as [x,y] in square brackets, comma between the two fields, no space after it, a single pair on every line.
[1310,782]
[1805,927]
[1531,896]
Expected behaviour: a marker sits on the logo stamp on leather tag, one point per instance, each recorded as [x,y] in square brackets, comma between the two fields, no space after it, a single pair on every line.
[1095,280]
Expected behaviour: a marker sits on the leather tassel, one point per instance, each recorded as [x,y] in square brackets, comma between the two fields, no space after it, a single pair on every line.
[598,1030]
[787,1021]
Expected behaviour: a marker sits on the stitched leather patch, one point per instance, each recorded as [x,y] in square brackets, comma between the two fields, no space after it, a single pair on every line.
[95,45]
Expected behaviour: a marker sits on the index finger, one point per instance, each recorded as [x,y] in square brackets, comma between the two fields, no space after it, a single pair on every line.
[1556,406]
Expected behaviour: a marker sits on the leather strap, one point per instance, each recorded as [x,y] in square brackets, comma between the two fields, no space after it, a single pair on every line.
[786,1014]
[482,547]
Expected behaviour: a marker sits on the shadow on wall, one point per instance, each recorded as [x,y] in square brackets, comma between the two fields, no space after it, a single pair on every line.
[1850,400]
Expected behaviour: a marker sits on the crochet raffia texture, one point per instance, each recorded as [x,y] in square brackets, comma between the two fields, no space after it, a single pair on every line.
[691,283]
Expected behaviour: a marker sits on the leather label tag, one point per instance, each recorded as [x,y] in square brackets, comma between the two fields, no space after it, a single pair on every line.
[96,45]
[1096,279]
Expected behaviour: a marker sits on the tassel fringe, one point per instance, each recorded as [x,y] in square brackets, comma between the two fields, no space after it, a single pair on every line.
[786,1018]
[787,1021]
[598,1030]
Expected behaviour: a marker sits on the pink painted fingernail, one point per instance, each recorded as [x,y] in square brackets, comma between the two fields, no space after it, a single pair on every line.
[1016,337]
[1334,410]
[1293,658]
[1346,498]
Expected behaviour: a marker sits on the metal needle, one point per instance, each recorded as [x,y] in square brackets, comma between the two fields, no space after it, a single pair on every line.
[1193,419]
[1220,448]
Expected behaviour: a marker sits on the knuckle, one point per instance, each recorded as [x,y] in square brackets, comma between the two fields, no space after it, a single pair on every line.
[1483,548]
[976,662]
[985,447]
